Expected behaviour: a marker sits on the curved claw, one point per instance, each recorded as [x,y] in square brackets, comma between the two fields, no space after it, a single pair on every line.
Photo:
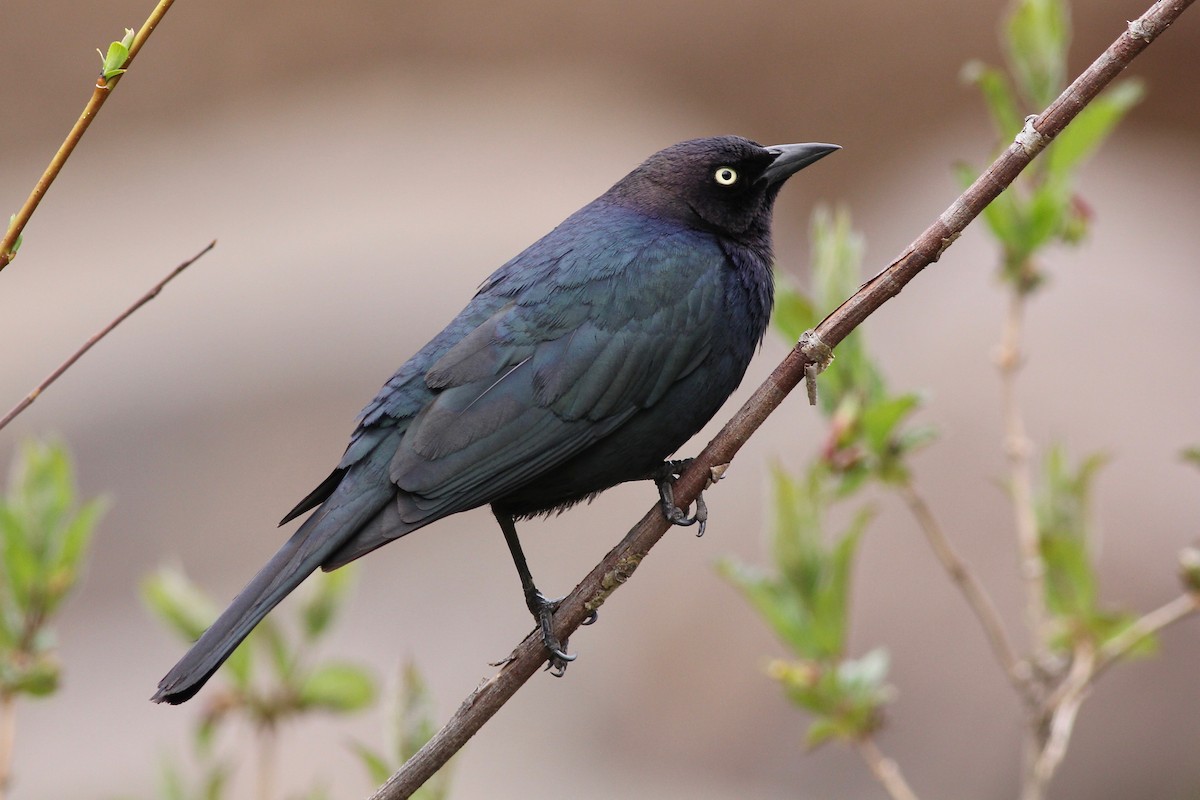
[701,514]
[592,616]
[559,658]
[676,515]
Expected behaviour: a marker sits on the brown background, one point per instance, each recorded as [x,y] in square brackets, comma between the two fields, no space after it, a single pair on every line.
[365,164]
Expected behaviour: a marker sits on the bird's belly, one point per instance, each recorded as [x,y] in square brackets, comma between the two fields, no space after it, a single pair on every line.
[639,446]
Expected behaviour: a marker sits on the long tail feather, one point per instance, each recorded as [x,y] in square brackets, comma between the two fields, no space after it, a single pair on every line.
[320,535]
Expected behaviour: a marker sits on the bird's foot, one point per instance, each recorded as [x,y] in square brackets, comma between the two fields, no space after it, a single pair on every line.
[665,478]
[543,610]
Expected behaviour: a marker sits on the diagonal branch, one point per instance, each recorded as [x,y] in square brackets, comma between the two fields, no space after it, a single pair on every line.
[620,562]
[63,367]
[1145,626]
[966,581]
[100,93]
[885,770]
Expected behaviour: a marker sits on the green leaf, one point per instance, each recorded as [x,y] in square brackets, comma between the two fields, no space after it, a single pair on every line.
[118,54]
[411,725]
[1048,209]
[1191,454]
[38,525]
[321,608]
[375,764]
[78,534]
[215,782]
[806,603]
[998,96]
[837,251]
[1091,127]
[171,783]
[785,617]
[915,437]
[176,601]
[1037,35]
[794,313]
[835,599]
[64,565]
[20,563]
[881,419]
[38,679]
[414,717]
[269,637]
[868,673]
[1062,506]
[239,667]
[1189,568]
[1003,215]
[822,730]
[337,687]
[16,243]
[1106,626]
[205,733]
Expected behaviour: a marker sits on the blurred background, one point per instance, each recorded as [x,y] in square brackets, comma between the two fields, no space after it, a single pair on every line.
[365,164]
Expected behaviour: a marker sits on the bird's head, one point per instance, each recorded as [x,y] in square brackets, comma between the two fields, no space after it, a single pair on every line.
[724,183]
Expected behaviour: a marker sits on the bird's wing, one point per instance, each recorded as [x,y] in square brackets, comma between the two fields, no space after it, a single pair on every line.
[561,365]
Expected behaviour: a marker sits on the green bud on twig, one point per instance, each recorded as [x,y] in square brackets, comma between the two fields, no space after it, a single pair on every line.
[118,54]
[12,218]
[1189,568]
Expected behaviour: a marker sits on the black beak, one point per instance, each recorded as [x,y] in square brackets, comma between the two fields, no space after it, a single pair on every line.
[791,158]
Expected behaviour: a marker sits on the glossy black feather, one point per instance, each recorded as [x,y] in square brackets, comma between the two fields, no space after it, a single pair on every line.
[581,363]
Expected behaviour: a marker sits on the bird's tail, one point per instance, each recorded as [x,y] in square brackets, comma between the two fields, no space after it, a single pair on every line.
[320,535]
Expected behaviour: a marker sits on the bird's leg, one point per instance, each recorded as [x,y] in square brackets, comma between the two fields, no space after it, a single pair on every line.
[665,477]
[541,607]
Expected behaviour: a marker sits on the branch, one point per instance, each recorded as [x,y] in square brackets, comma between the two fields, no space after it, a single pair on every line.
[1018,448]
[885,770]
[63,367]
[977,598]
[1054,727]
[104,87]
[8,731]
[1054,721]
[618,565]
[1149,624]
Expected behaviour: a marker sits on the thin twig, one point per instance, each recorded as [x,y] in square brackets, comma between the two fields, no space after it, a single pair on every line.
[100,93]
[63,367]
[885,770]
[621,561]
[976,596]
[1147,625]
[266,738]
[8,735]
[1054,726]
[1018,448]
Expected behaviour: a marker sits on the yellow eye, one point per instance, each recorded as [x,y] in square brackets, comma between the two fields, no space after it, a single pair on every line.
[726,176]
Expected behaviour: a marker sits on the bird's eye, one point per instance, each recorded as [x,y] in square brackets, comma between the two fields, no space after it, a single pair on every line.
[726,176]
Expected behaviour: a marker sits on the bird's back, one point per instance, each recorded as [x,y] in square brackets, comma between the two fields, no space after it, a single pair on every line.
[598,327]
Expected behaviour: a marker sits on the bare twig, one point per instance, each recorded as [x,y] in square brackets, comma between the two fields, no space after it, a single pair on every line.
[1019,449]
[8,731]
[885,770]
[621,561]
[1052,725]
[266,738]
[1148,624]
[63,367]
[1053,728]
[976,596]
[100,93]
